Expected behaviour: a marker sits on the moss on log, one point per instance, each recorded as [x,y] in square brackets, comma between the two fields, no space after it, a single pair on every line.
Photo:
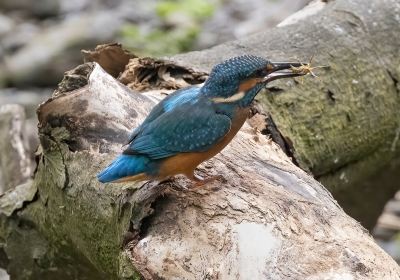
[256,223]
[343,126]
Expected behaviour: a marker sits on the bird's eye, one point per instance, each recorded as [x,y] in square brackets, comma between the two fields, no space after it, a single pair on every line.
[260,73]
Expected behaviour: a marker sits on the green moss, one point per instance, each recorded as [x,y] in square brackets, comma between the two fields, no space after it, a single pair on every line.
[126,270]
[87,215]
[331,132]
[158,42]
[197,9]
[177,31]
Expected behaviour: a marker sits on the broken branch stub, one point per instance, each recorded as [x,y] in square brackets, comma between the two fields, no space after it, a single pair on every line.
[112,58]
[147,73]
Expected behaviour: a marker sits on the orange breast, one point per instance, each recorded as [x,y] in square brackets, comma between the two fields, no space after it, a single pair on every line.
[185,163]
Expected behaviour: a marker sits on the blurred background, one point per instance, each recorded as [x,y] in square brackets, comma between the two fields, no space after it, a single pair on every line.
[40,40]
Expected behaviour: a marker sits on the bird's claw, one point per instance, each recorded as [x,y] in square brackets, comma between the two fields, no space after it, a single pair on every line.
[200,182]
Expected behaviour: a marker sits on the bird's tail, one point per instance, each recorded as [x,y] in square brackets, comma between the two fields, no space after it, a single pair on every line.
[125,166]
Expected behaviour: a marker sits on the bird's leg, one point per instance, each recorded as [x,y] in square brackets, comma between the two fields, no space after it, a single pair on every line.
[170,180]
[166,180]
[200,181]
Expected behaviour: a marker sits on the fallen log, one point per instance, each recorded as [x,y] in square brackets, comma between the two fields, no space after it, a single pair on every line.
[266,219]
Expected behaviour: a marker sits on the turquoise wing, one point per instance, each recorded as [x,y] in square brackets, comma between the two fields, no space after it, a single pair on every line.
[167,104]
[190,128]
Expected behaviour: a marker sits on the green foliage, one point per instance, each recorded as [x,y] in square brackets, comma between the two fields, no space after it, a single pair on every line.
[177,30]
[197,9]
[158,42]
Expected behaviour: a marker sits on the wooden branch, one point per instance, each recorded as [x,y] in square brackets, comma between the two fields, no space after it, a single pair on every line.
[266,219]
[343,126]
[259,221]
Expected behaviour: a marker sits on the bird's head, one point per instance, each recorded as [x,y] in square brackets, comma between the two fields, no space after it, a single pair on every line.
[239,79]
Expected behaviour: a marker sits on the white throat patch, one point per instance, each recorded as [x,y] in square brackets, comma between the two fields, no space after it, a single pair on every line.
[230,99]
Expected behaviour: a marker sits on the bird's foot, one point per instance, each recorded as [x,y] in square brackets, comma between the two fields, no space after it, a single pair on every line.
[170,181]
[199,181]
[167,180]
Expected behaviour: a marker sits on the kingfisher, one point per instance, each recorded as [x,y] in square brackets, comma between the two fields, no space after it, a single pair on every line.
[194,124]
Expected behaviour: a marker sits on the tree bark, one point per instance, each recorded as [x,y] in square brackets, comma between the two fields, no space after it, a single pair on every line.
[344,126]
[267,219]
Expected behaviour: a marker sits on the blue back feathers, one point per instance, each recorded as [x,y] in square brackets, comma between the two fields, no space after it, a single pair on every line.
[194,127]
[188,95]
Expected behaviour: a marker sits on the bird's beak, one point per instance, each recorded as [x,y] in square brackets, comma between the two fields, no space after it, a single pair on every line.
[280,70]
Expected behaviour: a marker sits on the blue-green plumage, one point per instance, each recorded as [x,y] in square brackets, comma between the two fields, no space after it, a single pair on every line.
[191,120]
[124,166]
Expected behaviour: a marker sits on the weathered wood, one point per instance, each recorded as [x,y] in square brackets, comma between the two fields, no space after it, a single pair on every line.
[343,126]
[263,216]
[266,219]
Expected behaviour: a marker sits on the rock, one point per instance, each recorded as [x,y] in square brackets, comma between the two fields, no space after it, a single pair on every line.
[16,166]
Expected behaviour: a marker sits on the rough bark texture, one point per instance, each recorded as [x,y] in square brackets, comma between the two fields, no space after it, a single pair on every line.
[266,219]
[344,126]
[256,223]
